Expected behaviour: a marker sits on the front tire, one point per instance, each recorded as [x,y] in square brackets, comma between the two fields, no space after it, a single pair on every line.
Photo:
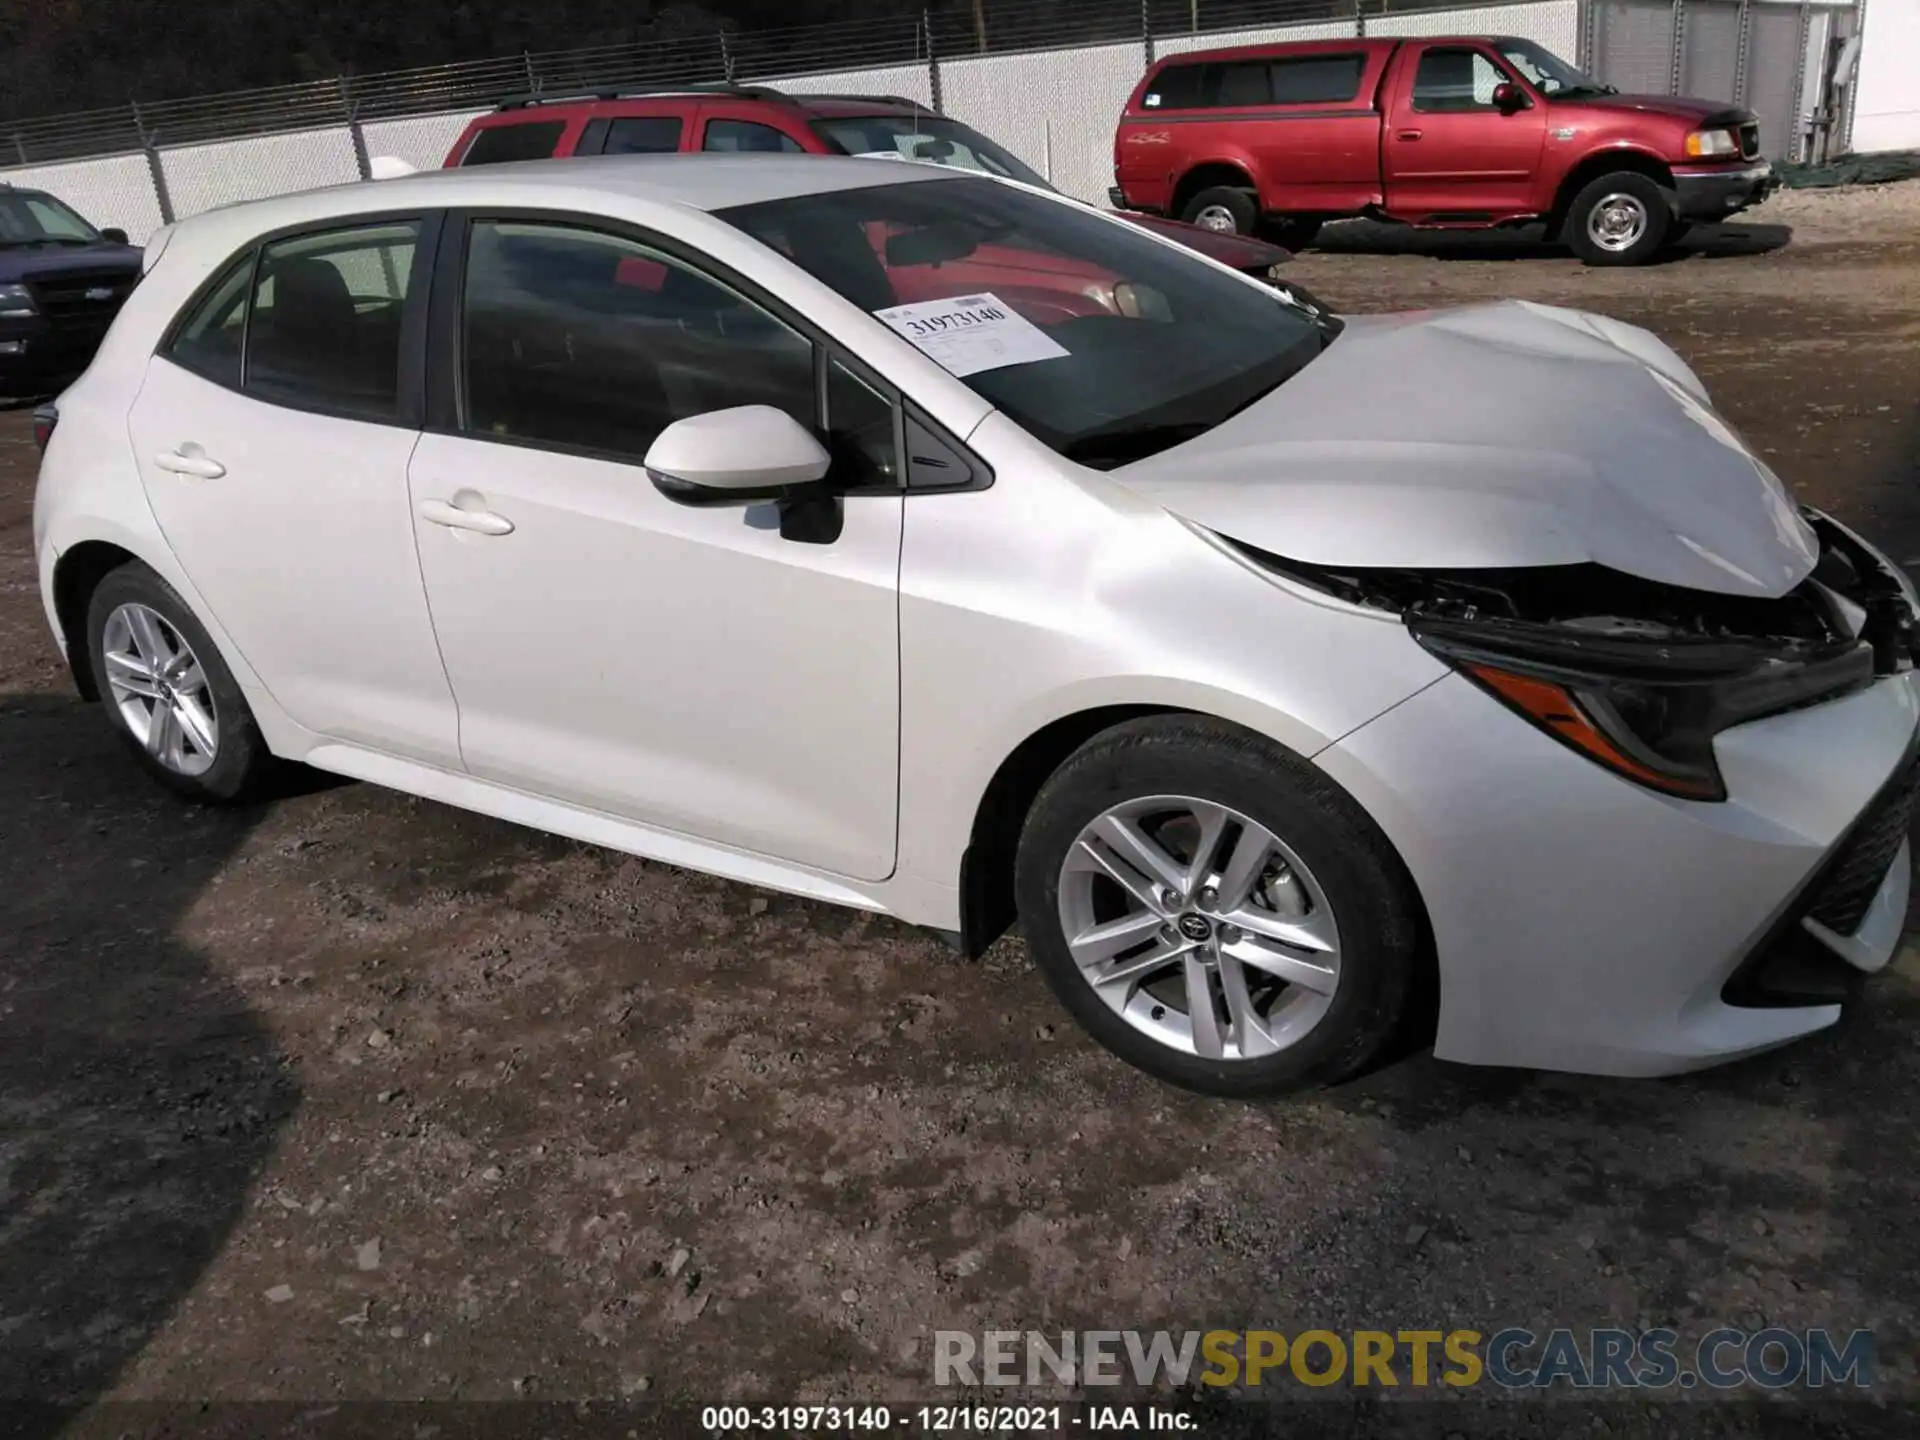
[1216,912]
[167,691]
[1619,219]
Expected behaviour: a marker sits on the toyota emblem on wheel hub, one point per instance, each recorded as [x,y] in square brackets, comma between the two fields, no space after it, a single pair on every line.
[1194,927]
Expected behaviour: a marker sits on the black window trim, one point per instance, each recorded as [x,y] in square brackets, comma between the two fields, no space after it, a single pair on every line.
[410,407]
[444,407]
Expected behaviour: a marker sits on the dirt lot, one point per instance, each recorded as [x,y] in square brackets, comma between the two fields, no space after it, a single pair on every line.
[353,1096]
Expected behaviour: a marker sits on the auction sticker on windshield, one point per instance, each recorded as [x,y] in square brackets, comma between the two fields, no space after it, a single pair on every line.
[970,333]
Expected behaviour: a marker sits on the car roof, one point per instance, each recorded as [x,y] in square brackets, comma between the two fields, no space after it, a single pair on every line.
[697,181]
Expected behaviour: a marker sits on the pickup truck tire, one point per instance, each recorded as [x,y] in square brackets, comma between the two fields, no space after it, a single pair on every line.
[1619,219]
[1289,232]
[1225,208]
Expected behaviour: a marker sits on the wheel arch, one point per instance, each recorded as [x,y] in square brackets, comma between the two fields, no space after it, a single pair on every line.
[76,575]
[89,547]
[1205,175]
[1604,162]
[987,907]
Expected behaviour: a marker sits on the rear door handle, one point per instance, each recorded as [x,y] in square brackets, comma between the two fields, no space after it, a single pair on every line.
[190,461]
[1410,134]
[482,522]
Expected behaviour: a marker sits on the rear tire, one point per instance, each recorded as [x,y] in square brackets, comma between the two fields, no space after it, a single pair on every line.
[1263,847]
[1228,209]
[1619,219]
[168,693]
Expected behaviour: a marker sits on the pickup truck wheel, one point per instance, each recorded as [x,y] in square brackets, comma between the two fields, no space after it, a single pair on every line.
[1619,219]
[1228,209]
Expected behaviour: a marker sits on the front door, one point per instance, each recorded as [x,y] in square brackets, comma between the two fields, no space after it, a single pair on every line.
[1449,150]
[279,479]
[687,668]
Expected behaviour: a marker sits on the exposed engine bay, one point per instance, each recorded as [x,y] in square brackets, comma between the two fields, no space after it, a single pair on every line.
[1639,674]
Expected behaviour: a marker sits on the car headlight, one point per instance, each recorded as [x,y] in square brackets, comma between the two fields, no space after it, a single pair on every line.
[1707,143]
[15,301]
[1649,713]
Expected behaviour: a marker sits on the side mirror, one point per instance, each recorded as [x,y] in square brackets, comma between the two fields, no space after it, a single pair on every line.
[736,457]
[1509,97]
[114,234]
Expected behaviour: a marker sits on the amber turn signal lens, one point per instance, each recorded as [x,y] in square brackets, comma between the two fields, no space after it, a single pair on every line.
[1559,713]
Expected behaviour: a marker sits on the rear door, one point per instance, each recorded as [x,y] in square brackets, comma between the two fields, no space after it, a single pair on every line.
[273,433]
[1449,150]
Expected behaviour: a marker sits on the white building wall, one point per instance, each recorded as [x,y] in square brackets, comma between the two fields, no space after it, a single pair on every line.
[1886,109]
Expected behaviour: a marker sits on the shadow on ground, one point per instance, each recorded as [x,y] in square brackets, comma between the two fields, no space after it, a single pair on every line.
[1366,237]
[138,1094]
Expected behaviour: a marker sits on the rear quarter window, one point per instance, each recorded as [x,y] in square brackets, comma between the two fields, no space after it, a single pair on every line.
[499,144]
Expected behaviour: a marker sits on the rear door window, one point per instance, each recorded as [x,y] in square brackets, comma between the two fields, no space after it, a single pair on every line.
[324,329]
[500,144]
[644,135]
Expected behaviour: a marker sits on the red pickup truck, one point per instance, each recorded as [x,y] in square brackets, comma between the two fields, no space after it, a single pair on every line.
[1454,133]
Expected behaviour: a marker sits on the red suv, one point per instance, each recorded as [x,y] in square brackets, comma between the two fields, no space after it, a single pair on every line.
[1455,133]
[758,118]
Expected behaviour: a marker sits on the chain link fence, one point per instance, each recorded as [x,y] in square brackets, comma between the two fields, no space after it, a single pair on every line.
[1047,82]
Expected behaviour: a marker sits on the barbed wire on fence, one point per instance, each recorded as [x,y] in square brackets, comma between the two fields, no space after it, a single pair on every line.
[718,56]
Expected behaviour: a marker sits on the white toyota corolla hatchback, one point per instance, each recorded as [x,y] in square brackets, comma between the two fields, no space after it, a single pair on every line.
[927,543]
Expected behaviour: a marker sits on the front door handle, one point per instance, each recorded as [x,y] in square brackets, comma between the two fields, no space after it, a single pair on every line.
[1410,134]
[482,522]
[190,460]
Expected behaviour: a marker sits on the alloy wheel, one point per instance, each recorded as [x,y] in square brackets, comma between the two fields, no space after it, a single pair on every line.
[1199,927]
[160,689]
[1617,222]
[1216,217]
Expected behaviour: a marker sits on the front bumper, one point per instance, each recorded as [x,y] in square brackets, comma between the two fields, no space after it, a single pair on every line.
[1585,924]
[1704,194]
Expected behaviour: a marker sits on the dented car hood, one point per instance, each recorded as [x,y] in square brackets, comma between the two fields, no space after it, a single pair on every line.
[1492,436]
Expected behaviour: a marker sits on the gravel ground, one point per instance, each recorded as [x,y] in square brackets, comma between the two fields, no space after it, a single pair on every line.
[351,1096]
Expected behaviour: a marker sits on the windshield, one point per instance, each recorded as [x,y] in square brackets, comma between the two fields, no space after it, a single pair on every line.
[1104,343]
[1548,73]
[41,220]
[920,136]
